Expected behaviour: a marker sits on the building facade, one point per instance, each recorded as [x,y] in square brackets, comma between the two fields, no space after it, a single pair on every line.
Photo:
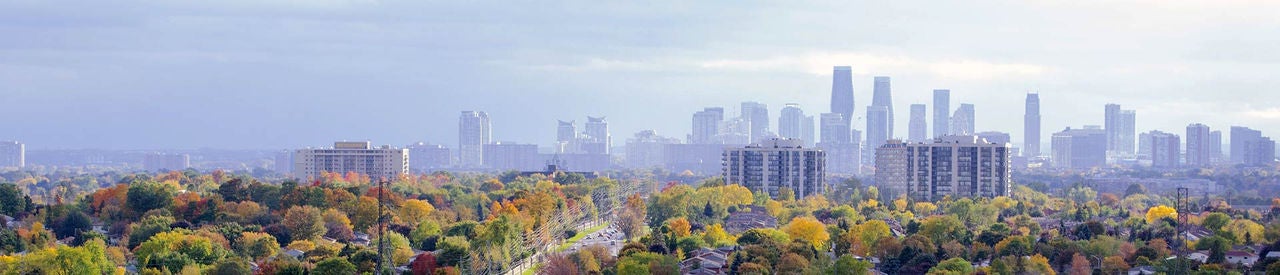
[1198,145]
[950,166]
[757,117]
[842,93]
[361,157]
[882,96]
[646,148]
[473,134]
[1121,130]
[427,157]
[1165,149]
[13,154]
[706,126]
[917,126]
[166,162]
[597,139]
[791,121]
[511,156]
[1079,148]
[941,112]
[1031,126]
[776,163]
[962,122]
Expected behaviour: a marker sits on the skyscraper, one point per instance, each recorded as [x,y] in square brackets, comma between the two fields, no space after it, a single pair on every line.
[1079,148]
[566,137]
[941,112]
[791,121]
[473,134]
[917,127]
[706,125]
[598,140]
[1164,149]
[1031,126]
[1198,145]
[842,93]
[1239,137]
[1215,147]
[776,163]
[877,128]
[757,115]
[962,122]
[1120,129]
[843,154]
[1250,148]
[13,154]
[834,128]
[950,166]
[806,132]
[882,96]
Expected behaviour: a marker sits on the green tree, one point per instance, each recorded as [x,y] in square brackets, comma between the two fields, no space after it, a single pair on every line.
[12,201]
[953,266]
[230,266]
[147,195]
[334,266]
[1215,221]
[143,230]
[304,222]
[847,265]
[941,229]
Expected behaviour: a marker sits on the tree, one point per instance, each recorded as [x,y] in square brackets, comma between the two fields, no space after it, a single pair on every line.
[334,266]
[847,265]
[680,226]
[953,266]
[415,211]
[148,195]
[304,222]
[559,264]
[143,230]
[12,201]
[1114,265]
[786,194]
[631,220]
[1215,221]
[809,230]
[715,236]
[791,263]
[1246,231]
[453,250]
[424,263]
[1159,212]
[1135,189]
[258,246]
[1080,265]
[230,266]
[941,229]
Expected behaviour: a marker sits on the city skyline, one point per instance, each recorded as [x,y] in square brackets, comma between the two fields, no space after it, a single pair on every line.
[412,77]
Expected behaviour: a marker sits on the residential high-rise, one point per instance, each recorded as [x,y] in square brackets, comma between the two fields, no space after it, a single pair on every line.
[1198,150]
[776,163]
[950,166]
[361,157]
[1031,126]
[917,127]
[511,156]
[1144,144]
[843,154]
[646,149]
[882,96]
[566,137]
[806,132]
[1120,126]
[757,115]
[597,138]
[473,134]
[13,154]
[706,125]
[842,93]
[283,162]
[735,131]
[941,112]
[791,121]
[428,158]
[1239,137]
[1079,148]
[1165,149]
[962,122]
[877,127]
[1215,147]
[166,162]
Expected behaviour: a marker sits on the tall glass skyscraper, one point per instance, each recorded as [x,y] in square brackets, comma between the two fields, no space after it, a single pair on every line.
[941,112]
[842,93]
[882,96]
[1031,126]
[917,128]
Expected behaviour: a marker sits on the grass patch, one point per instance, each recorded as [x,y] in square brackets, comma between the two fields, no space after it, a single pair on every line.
[532,270]
[581,234]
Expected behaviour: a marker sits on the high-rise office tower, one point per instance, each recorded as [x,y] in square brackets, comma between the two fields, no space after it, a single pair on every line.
[883,96]
[598,140]
[1031,126]
[13,154]
[791,121]
[842,93]
[1215,147]
[706,125]
[566,137]
[473,134]
[917,127]
[843,155]
[806,132]
[962,122]
[877,126]
[1120,126]
[950,166]
[384,162]
[1239,137]
[1164,149]
[941,112]
[757,115]
[426,157]
[776,163]
[1198,145]
[1079,148]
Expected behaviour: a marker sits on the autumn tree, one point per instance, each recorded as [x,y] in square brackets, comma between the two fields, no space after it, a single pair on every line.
[631,220]
[809,230]
[1159,212]
[680,227]
[415,211]
[1080,265]
[304,222]
[1114,265]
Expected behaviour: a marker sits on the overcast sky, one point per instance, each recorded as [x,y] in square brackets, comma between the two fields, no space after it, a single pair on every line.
[284,74]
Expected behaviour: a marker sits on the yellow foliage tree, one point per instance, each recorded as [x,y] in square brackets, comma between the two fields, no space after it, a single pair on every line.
[809,230]
[1161,211]
[415,211]
[1246,231]
[925,208]
[716,236]
[680,226]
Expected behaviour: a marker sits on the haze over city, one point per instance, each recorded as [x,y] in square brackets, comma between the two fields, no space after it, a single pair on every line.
[252,75]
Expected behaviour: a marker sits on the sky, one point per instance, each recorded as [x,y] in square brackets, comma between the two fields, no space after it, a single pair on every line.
[251,74]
